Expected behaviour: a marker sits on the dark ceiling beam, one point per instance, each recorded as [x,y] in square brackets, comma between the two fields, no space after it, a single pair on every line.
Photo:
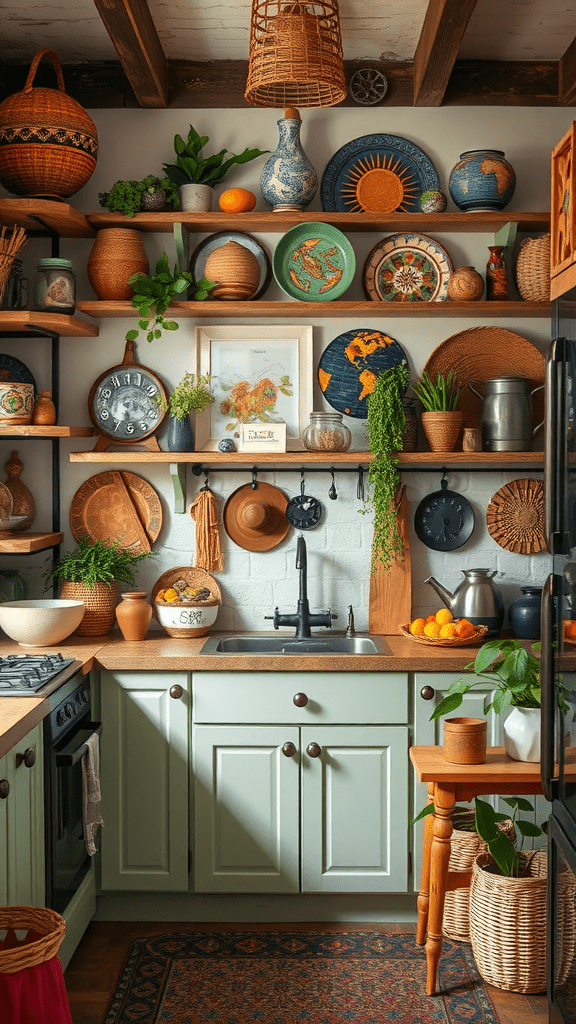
[132,31]
[567,77]
[444,26]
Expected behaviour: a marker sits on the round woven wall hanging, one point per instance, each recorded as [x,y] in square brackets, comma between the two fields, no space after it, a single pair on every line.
[515,517]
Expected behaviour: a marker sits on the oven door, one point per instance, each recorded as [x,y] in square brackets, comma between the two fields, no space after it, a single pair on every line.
[561,931]
[67,860]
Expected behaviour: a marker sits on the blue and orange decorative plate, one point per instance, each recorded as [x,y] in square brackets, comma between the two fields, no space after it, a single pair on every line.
[314,262]
[350,364]
[377,174]
[407,268]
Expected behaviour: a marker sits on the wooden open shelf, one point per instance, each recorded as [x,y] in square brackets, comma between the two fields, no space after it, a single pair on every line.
[226,459]
[27,543]
[29,430]
[42,214]
[29,320]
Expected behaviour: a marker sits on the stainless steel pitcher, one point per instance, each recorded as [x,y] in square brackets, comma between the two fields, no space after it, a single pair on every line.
[507,413]
[476,599]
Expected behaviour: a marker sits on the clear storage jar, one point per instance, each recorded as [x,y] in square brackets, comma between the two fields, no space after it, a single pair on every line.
[326,433]
[55,287]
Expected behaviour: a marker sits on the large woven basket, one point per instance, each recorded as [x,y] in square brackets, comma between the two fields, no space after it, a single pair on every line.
[100,615]
[464,848]
[508,925]
[47,924]
[48,143]
[533,269]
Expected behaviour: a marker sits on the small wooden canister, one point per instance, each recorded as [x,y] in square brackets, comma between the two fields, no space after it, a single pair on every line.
[465,740]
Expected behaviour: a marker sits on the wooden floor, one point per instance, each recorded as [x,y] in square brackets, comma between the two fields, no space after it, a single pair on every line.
[92,973]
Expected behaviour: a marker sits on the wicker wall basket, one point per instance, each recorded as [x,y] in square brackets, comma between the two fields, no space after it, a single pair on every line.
[508,925]
[464,848]
[48,143]
[100,615]
[533,269]
[47,924]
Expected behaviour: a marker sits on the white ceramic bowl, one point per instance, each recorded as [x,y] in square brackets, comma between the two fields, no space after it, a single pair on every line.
[40,623]
[187,620]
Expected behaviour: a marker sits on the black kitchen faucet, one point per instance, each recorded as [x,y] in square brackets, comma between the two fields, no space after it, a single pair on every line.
[303,618]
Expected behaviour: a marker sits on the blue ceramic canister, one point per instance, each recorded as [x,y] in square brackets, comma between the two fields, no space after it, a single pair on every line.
[525,614]
[288,180]
[482,180]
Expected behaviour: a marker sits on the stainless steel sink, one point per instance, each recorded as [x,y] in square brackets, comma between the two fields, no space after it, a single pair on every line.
[274,644]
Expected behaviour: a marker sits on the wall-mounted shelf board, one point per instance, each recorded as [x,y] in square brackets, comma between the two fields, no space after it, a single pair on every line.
[27,543]
[225,459]
[47,323]
[39,214]
[29,430]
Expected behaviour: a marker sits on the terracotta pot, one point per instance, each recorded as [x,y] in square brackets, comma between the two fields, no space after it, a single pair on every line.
[466,285]
[44,412]
[133,615]
[100,603]
[442,430]
[116,254]
[465,740]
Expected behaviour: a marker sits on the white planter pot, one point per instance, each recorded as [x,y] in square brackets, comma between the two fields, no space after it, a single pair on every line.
[522,733]
[196,198]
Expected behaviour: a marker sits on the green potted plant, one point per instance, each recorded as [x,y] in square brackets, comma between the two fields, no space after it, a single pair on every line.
[153,294]
[441,420]
[197,174]
[191,394]
[386,426]
[92,573]
[130,197]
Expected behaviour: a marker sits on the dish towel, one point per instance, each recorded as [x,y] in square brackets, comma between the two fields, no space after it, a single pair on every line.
[205,514]
[91,792]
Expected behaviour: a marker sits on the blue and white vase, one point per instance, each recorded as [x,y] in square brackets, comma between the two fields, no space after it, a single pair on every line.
[288,180]
[482,180]
[180,435]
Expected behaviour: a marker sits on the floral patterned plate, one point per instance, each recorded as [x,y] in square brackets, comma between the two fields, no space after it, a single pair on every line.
[314,262]
[407,268]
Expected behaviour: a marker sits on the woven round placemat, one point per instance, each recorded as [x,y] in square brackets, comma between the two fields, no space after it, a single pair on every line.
[515,517]
[482,353]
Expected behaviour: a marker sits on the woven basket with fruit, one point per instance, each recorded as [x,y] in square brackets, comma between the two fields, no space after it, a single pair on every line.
[443,630]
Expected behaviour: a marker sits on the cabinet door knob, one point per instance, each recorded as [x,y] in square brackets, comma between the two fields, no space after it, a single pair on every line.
[176,691]
[4,788]
[300,700]
[313,750]
[289,749]
[427,692]
[28,758]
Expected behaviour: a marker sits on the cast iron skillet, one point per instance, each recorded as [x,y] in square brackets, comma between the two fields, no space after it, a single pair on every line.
[444,520]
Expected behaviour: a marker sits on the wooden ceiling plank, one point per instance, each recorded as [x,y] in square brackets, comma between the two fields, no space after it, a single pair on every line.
[132,31]
[444,26]
[567,77]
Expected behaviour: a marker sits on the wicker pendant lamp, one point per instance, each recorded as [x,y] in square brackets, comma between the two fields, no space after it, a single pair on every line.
[295,54]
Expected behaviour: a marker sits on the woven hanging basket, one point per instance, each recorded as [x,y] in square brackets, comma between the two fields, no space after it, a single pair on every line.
[100,615]
[295,56]
[464,848]
[533,269]
[48,143]
[47,924]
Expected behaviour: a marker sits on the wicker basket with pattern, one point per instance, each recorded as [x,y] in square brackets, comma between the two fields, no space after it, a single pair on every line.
[533,269]
[48,143]
[464,848]
[100,603]
[48,926]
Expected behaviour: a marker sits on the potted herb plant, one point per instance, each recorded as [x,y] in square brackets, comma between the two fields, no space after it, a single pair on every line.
[191,394]
[195,175]
[386,426]
[441,420]
[92,573]
[153,294]
[130,197]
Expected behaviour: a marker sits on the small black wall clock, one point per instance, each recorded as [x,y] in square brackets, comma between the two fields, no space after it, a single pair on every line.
[444,520]
[124,404]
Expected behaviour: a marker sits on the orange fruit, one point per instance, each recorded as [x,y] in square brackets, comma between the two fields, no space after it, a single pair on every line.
[432,629]
[431,618]
[237,200]
[443,616]
[570,628]
[448,630]
[464,628]
[417,626]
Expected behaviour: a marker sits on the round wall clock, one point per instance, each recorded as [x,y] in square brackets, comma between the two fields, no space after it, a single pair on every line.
[444,520]
[123,402]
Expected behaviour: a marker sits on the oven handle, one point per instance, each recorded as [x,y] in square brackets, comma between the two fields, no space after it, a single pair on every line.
[67,758]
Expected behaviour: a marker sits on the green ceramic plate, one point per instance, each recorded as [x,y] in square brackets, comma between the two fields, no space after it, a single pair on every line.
[314,262]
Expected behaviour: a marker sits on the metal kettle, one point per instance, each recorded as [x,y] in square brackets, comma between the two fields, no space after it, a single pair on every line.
[476,599]
[507,413]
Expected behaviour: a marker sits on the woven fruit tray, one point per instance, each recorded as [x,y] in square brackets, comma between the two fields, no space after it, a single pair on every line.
[447,641]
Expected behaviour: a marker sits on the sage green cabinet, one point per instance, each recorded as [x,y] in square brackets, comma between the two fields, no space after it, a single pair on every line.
[22,855]
[145,780]
[315,798]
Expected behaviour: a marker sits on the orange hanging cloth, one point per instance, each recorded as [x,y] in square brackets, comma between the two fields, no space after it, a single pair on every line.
[205,514]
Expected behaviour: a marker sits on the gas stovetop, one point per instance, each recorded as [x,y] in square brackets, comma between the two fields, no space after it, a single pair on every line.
[21,675]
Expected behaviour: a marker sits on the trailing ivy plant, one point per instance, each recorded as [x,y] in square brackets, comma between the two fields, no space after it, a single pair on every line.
[386,427]
[153,294]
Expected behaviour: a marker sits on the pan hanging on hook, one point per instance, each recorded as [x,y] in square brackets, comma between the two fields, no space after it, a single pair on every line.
[444,520]
[303,512]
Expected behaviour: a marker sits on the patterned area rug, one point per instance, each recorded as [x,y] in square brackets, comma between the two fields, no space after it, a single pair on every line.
[266,977]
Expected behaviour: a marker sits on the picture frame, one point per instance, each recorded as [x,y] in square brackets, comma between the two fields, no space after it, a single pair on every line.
[258,375]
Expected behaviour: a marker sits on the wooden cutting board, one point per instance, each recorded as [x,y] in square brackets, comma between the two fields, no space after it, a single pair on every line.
[390,599]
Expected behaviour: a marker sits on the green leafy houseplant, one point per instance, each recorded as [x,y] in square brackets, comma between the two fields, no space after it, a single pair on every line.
[192,167]
[386,426]
[126,196]
[191,393]
[156,292]
[440,395]
[97,562]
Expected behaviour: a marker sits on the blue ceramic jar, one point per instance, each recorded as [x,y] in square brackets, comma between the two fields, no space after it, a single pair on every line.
[482,180]
[288,180]
[525,614]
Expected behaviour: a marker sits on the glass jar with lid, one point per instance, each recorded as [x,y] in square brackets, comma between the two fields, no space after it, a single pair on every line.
[326,433]
[55,287]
